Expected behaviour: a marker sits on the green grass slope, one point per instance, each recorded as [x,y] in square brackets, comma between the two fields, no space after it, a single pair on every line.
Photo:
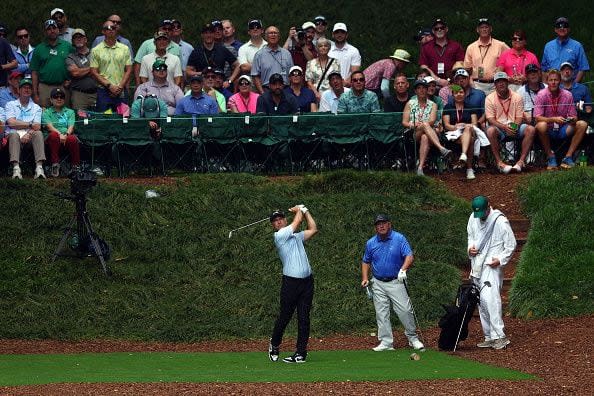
[556,275]
[177,275]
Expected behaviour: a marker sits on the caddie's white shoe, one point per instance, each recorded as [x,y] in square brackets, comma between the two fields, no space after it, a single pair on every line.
[382,347]
[416,344]
[39,174]
[16,173]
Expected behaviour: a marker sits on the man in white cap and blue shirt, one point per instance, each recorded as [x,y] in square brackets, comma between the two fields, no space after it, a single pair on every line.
[389,256]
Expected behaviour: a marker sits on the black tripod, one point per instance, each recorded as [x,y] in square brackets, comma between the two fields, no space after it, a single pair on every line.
[84,230]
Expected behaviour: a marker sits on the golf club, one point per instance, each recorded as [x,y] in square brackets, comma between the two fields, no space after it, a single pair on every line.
[414,315]
[247,225]
[485,283]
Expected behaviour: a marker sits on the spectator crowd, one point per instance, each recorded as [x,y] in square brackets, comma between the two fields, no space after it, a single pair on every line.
[483,97]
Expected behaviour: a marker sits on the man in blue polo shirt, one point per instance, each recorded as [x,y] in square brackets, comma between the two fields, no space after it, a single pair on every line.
[564,49]
[389,256]
[297,286]
[580,93]
[197,102]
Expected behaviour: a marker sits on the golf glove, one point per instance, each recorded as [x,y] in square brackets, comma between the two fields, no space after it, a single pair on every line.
[401,276]
[302,208]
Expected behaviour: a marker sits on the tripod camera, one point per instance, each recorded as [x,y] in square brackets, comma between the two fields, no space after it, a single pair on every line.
[79,233]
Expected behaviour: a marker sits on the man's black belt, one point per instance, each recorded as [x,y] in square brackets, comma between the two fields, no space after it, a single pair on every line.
[86,91]
[486,81]
[390,279]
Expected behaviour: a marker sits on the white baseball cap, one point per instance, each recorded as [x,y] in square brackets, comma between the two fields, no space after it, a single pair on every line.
[307,25]
[55,11]
[339,26]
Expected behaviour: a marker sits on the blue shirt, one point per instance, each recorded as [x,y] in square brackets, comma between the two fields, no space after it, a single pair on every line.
[202,104]
[289,246]
[386,256]
[305,99]
[474,101]
[556,52]
[6,96]
[579,92]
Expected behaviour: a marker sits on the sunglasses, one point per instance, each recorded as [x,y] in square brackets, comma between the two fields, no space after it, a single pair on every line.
[108,27]
[296,73]
[115,22]
[562,25]
[439,28]
[22,36]
[358,79]
[244,83]
[517,38]
[321,23]
[59,97]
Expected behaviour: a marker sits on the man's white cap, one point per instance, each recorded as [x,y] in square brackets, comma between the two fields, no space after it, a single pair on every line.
[339,26]
[307,25]
[429,79]
[56,10]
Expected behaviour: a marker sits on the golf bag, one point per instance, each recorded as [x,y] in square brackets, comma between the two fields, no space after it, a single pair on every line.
[457,316]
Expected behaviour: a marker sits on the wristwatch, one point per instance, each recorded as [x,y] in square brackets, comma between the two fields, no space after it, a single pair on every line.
[31,124]
[229,81]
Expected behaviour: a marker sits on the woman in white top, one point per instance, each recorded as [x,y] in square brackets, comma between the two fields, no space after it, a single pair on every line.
[318,69]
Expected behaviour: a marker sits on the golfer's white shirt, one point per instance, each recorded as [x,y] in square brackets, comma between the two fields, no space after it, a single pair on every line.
[292,252]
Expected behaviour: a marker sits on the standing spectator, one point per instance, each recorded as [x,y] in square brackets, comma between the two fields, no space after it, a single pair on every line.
[270,60]
[440,54]
[111,67]
[396,103]
[7,60]
[11,91]
[58,15]
[297,286]
[379,74]
[556,118]
[300,44]
[564,49]
[504,110]
[529,91]
[491,243]
[212,54]
[23,50]
[420,115]
[319,68]
[274,101]
[424,35]
[148,46]
[347,55]
[197,102]
[245,100]
[305,96]
[174,70]
[321,25]
[48,65]
[23,121]
[117,21]
[389,256]
[580,93]
[482,56]
[358,99]
[513,61]
[58,121]
[83,88]
[330,98]
[229,36]
[160,87]
[245,54]
[176,34]
[217,26]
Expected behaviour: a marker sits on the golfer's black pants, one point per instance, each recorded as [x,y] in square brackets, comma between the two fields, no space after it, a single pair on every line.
[294,293]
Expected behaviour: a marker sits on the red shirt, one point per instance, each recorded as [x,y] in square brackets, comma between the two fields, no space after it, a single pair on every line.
[432,54]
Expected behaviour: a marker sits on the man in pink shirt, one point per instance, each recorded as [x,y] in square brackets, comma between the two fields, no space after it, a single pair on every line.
[482,56]
[378,74]
[504,110]
[556,118]
[513,61]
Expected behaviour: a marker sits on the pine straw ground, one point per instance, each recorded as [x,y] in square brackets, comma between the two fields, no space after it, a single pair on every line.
[557,351]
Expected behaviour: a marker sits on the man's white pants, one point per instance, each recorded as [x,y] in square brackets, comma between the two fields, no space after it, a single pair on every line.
[490,309]
[395,293]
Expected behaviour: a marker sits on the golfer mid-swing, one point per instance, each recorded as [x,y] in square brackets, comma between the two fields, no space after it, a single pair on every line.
[297,286]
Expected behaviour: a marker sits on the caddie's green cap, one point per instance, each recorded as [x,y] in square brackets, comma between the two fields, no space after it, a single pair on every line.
[25,81]
[480,205]
[159,64]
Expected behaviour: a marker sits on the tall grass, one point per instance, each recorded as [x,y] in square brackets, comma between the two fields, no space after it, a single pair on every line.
[177,275]
[556,275]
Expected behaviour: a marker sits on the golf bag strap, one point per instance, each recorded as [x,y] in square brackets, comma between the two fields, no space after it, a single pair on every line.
[487,235]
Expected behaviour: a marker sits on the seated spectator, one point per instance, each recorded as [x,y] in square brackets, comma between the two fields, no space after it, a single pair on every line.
[23,120]
[432,96]
[379,74]
[504,110]
[512,61]
[329,101]
[305,96]
[197,102]
[445,92]
[420,115]
[210,78]
[358,99]
[274,101]
[219,82]
[245,100]
[396,103]
[300,44]
[58,121]
[23,50]
[529,91]
[245,54]
[10,92]
[556,118]
[580,93]
[174,70]
[459,124]
[83,88]
[319,68]
[161,88]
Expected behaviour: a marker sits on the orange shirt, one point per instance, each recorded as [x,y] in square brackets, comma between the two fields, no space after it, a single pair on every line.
[504,111]
[485,56]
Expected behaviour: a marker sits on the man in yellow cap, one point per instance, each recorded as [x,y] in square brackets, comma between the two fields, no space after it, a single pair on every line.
[379,74]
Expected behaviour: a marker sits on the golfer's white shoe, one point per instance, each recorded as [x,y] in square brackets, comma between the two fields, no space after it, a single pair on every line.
[273,352]
[416,344]
[383,347]
[501,343]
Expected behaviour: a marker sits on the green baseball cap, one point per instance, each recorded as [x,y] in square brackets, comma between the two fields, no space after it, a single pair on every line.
[480,205]
[159,64]
[25,81]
